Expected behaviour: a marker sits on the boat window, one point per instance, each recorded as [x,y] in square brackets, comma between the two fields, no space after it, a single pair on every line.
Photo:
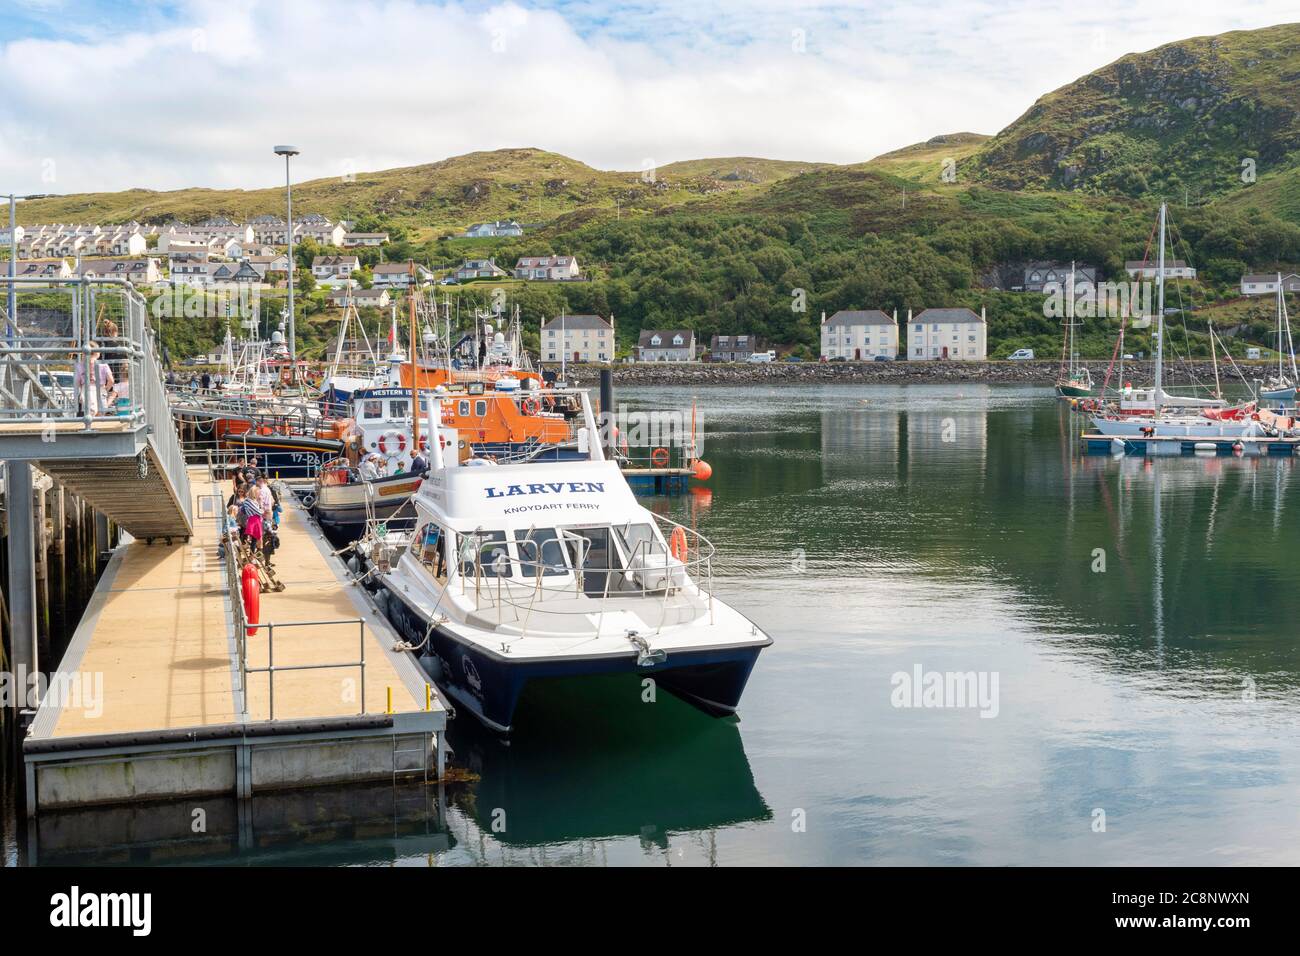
[490,545]
[372,408]
[398,409]
[462,408]
[480,408]
[539,549]
[640,539]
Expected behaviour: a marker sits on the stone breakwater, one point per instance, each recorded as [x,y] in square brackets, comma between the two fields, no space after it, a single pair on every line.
[898,373]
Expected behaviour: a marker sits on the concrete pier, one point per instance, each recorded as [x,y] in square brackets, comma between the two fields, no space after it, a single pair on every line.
[158,698]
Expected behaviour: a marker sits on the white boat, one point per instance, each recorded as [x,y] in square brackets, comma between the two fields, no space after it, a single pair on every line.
[553,569]
[1141,410]
[1283,385]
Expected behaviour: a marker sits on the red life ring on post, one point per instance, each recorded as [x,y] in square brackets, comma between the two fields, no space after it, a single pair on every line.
[398,439]
[252,596]
[677,544]
[659,458]
[530,406]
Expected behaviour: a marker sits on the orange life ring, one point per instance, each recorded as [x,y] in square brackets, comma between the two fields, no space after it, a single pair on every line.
[399,439]
[659,458]
[677,544]
[530,406]
[252,596]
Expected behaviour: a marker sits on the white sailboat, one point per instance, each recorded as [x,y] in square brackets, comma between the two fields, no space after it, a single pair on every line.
[1283,386]
[1151,411]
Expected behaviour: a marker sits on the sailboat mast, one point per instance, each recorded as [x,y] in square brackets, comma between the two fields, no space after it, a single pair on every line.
[1160,314]
[1281,374]
[415,369]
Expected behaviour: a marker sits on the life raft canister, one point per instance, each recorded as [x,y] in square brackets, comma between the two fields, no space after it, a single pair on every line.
[396,438]
[659,458]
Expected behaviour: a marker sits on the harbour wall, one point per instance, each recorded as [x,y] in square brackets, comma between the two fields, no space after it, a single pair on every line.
[899,373]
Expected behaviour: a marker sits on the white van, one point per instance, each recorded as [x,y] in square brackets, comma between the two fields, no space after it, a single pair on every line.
[1021,355]
[761,357]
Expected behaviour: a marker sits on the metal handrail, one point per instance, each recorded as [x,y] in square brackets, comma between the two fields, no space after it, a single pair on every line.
[134,350]
[271,669]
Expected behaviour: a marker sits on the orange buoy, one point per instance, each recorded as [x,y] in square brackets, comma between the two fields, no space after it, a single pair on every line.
[703,470]
[252,596]
[677,544]
[659,457]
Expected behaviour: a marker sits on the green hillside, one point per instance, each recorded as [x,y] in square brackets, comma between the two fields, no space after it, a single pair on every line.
[1182,116]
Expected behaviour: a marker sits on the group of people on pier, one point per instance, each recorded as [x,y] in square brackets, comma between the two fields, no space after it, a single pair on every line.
[253,510]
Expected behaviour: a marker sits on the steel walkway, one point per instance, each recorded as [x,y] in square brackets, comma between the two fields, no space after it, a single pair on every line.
[122,454]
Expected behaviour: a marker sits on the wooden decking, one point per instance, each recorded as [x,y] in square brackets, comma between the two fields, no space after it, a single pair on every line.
[158,634]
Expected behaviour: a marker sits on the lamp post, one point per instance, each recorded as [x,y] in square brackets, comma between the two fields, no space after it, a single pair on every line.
[286,152]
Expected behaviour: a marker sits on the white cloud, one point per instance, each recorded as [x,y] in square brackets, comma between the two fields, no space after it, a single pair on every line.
[199,98]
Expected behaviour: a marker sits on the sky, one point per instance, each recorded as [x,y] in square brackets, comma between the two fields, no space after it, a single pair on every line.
[107,95]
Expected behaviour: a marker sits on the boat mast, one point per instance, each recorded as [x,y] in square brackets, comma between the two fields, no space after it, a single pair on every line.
[1073,354]
[1160,315]
[415,372]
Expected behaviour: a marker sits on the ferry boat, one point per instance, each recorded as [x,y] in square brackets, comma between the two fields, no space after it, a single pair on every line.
[521,572]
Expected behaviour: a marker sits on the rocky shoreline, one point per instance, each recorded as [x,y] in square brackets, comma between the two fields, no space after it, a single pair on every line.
[819,373]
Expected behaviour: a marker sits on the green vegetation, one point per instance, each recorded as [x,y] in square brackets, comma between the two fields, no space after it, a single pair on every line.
[763,246]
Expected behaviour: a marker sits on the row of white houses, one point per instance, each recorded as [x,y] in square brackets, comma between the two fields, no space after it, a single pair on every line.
[866,334]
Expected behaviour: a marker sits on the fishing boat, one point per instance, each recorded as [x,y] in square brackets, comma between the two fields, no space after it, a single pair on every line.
[522,572]
[1284,385]
[1074,380]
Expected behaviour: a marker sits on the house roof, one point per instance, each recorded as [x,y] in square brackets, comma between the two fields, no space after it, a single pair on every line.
[576,323]
[847,317]
[744,340]
[545,262]
[947,315]
[666,337]
[1269,277]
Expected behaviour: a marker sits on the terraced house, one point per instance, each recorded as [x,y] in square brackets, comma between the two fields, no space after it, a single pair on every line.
[859,335]
[578,338]
[955,335]
[665,345]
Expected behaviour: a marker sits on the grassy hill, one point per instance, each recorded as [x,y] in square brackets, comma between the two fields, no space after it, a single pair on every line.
[530,185]
[747,244]
[1182,116]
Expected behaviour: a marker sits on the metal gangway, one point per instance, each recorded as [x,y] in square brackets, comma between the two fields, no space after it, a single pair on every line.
[64,342]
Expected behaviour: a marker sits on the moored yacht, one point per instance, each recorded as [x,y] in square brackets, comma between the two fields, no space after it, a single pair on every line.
[551,568]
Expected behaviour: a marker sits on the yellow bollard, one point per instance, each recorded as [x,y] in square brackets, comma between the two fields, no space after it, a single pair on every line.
[428,697]
[390,701]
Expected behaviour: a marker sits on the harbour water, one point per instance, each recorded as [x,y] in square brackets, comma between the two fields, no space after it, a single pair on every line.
[1129,628]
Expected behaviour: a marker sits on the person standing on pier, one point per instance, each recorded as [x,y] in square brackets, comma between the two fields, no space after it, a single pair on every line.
[100,386]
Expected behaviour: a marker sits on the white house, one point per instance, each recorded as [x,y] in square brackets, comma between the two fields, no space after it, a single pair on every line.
[547,268]
[578,338]
[665,345]
[135,271]
[859,334]
[950,334]
[322,267]
[353,239]
[480,269]
[396,275]
[1174,269]
[1266,283]
[362,298]
[484,230]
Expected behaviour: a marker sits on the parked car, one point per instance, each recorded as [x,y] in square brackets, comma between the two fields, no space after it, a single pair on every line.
[883,358]
[839,358]
[792,358]
[1021,355]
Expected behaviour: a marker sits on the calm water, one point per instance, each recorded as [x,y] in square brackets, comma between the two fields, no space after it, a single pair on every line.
[873,530]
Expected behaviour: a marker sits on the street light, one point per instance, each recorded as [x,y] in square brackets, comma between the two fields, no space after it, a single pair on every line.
[286,152]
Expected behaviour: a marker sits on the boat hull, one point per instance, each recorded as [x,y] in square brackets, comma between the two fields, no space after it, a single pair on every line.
[489,685]
[1186,428]
[344,508]
[1065,390]
[285,456]
[1280,394]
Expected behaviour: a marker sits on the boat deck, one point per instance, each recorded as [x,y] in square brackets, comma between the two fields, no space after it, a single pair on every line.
[1099,444]
[154,666]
